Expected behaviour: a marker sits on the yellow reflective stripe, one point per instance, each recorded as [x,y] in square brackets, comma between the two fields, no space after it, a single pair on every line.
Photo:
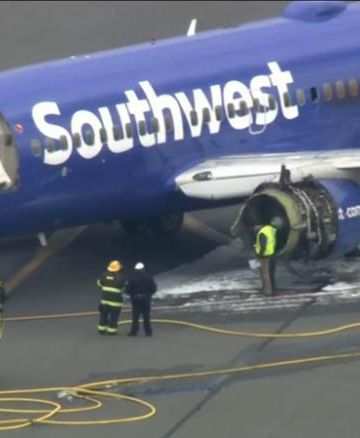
[111,303]
[111,330]
[101,327]
[115,290]
[98,283]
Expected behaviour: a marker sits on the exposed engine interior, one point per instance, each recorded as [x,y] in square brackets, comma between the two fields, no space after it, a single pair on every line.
[304,214]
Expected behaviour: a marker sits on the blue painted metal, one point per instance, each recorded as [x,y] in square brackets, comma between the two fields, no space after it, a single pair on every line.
[314,11]
[346,196]
[140,182]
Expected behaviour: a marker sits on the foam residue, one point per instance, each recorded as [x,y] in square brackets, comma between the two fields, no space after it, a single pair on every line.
[225,269]
[221,269]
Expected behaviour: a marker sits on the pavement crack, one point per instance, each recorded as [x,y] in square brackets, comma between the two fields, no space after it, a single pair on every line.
[244,358]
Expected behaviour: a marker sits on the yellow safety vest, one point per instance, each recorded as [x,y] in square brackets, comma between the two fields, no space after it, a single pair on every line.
[270,233]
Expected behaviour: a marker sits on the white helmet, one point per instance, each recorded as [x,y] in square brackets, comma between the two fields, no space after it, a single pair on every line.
[139,266]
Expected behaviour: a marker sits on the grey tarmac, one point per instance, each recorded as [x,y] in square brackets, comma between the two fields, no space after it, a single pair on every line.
[314,400]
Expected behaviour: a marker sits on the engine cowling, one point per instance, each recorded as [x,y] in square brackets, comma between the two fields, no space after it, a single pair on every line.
[315,218]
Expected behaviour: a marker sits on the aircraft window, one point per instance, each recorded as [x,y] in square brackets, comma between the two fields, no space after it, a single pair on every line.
[169,123]
[63,142]
[77,140]
[287,99]
[353,87]
[340,89]
[155,126]
[117,133]
[218,113]
[89,137]
[244,108]
[103,135]
[314,94]
[50,144]
[36,147]
[128,130]
[231,110]
[328,92]
[206,115]
[142,127]
[256,104]
[272,103]
[8,139]
[193,118]
[300,97]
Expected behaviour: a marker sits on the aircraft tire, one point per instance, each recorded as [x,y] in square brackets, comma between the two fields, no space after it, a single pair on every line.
[168,224]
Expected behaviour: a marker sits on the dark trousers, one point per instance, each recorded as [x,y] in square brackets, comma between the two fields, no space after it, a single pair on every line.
[267,272]
[141,307]
[109,317]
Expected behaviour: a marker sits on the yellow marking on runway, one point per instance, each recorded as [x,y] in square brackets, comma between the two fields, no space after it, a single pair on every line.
[58,241]
[61,239]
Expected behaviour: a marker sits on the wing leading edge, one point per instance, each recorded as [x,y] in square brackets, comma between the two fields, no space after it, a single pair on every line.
[238,176]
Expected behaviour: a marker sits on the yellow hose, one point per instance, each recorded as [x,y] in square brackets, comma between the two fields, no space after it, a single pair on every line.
[92,392]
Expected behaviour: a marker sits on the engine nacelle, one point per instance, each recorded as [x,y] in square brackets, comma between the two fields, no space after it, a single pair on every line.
[316,219]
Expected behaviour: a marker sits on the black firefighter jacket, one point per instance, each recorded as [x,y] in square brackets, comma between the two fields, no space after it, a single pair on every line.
[141,286]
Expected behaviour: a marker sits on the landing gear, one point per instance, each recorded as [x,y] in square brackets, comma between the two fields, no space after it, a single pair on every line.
[167,224]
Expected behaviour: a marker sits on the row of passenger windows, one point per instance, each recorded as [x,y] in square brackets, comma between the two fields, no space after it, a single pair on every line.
[327,92]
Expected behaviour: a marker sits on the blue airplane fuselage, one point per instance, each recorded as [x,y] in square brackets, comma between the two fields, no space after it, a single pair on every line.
[134,177]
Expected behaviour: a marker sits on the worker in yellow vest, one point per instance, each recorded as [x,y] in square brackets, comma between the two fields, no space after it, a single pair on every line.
[265,249]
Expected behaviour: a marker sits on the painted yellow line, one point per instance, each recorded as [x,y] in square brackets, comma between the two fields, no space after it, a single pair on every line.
[58,241]
[62,238]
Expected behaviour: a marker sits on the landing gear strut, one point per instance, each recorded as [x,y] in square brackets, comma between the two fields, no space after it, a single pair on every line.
[168,224]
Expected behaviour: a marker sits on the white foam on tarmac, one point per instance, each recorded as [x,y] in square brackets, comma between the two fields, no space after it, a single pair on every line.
[223,270]
[219,269]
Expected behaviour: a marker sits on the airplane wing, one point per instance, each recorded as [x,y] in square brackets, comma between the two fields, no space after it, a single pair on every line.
[238,176]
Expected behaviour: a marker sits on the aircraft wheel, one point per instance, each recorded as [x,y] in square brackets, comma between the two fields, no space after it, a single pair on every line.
[169,224]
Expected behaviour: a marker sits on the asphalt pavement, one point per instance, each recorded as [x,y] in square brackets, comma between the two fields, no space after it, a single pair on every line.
[317,399]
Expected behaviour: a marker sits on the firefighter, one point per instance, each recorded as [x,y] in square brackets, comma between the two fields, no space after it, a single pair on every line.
[141,287]
[265,247]
[2,301]
[111,283]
